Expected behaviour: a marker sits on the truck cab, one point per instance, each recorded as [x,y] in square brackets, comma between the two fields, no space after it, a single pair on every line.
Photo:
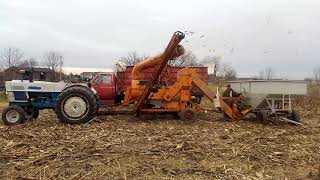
[105,85]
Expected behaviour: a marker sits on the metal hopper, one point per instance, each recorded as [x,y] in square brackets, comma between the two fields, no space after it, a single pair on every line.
[271,97]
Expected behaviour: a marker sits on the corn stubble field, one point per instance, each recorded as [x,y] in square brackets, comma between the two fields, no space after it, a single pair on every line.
[160,146]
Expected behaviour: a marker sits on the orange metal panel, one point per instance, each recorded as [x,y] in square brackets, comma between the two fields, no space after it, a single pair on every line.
[173,105]
[185,95]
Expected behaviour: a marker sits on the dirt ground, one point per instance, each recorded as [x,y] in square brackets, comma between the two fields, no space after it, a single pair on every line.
[160,147]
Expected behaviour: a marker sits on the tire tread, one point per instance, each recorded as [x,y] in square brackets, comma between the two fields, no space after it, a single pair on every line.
[83,91]
[13,107]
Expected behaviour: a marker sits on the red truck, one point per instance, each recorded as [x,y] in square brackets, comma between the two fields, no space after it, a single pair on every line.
[111,86]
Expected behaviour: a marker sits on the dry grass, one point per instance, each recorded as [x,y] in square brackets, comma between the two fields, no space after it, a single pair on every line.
[125,147]
[3,99]
[309,105]
[221,87]
[161,147]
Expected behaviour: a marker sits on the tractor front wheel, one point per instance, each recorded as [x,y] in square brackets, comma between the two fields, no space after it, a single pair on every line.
[13,115]
[75,105]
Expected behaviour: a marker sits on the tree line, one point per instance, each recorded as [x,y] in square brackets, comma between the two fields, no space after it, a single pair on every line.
[54,60]
[268,73]
[221,70]
[14,57]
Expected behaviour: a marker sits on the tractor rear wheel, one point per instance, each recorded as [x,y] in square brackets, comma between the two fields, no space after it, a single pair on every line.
[13,115]
[75,105]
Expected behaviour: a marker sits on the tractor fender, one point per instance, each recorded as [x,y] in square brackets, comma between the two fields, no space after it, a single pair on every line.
[85,86]
[81,85]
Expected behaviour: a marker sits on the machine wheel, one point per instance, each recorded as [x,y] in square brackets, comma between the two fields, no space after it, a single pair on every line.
[262,115]
[31,113]
[226,117]
[295,116]
[76,105]
[187,114]
[13,115]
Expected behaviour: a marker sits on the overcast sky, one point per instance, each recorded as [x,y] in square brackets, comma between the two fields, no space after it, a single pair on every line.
[248,34]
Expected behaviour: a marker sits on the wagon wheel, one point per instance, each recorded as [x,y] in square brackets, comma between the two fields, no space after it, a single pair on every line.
[295,116]
[262,115]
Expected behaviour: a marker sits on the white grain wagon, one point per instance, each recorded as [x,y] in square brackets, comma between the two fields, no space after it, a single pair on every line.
[271,97]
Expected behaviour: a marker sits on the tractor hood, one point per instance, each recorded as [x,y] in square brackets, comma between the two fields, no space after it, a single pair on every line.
[35,86]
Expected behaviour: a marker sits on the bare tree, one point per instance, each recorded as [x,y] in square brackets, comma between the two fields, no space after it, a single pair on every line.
[132,58]
[227,72]
[11,57]
[31,62]
[187,59]
[316,73]
[60,68]
[267,73]
[213,63]
[53,60]
[261,75]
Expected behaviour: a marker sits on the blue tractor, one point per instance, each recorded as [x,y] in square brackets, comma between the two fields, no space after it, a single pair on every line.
[73,104]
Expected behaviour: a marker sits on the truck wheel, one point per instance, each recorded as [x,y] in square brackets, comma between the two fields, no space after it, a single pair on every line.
[262,115]
[76,105]
[295,116]
[31,113]
[13,115]
[98,104]
[187,115]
